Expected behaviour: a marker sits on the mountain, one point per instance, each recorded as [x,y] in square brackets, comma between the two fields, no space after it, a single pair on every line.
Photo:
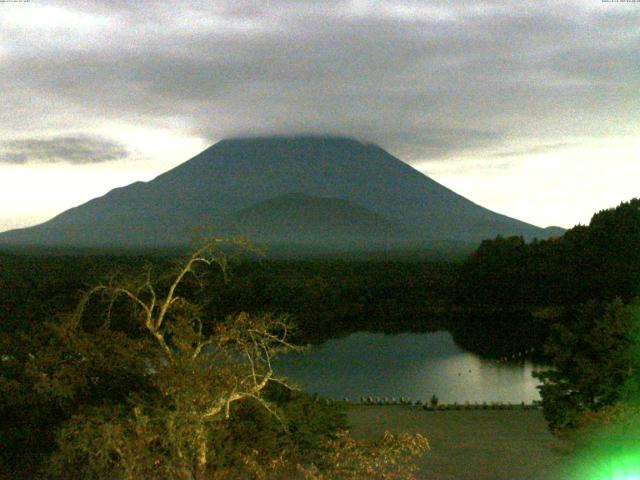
[298,216]
[278,189]
[553,232]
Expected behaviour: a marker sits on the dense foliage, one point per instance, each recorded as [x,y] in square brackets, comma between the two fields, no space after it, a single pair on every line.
[170,393]
[324,297]
[600,261]
[591,352]
[334,297]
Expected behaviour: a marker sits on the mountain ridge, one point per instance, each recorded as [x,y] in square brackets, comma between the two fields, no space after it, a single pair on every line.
[236,174]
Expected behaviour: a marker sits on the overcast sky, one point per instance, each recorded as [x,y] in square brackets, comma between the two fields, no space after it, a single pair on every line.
[530,108]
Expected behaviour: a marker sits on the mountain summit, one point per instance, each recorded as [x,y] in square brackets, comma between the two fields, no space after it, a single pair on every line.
[279,189]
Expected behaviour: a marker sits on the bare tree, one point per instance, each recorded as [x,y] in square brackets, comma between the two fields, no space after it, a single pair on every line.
[200,371]
[201,377]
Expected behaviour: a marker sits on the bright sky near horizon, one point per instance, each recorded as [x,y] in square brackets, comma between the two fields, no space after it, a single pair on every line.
[531,109]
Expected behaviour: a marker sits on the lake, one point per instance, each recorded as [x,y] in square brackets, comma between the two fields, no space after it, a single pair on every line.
[406,365]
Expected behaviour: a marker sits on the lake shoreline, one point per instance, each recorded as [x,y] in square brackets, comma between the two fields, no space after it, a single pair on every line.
[383,369]
[426,406]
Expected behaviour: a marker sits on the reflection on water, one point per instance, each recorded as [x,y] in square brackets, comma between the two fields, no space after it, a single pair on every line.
[408,365]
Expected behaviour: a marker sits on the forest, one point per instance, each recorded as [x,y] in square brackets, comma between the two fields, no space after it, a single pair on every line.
[566,301]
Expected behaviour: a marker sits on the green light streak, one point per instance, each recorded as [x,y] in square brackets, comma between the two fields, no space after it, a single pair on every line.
[613,451]
[624,466]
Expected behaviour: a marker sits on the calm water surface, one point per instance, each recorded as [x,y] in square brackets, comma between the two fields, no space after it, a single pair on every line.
[409,365]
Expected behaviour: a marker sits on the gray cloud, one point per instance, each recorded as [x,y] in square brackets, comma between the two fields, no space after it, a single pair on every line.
[426,79]
[537,149]
[77,149]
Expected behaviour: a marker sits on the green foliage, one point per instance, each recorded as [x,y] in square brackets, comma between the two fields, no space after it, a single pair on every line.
[332,297]
[499,331]
[606,441]
[498,262]
[47,373]
[140,382]
[600,261]
[325,297]
[520,289]
[591,358]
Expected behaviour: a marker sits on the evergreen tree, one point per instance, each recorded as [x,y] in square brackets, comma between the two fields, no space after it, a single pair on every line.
[591,356]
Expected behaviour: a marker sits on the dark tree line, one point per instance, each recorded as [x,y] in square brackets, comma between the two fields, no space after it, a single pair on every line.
[581,291]
[600,261]
[324,297]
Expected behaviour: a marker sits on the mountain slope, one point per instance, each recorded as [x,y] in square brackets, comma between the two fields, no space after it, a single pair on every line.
[298,217]
[232,175]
